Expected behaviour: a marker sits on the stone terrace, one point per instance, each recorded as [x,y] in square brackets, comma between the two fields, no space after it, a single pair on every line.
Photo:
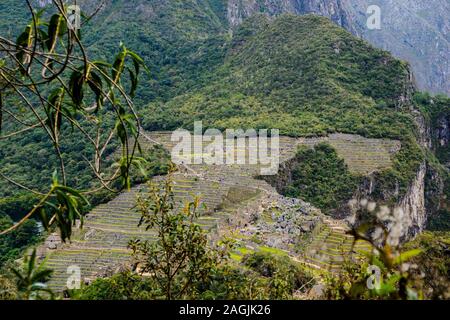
[100,248]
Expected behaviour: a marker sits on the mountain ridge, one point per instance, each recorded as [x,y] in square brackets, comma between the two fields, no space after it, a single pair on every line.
[415,31]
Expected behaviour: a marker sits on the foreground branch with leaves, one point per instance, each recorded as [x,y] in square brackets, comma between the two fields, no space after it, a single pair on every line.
[180,258]
[49,84]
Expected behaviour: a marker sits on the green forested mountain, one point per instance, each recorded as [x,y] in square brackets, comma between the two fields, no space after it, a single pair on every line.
[303,75]
[153,29]
[315,80]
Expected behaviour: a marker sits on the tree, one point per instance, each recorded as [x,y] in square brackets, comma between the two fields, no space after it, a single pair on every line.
[321,177]
[48,84]
[180,258]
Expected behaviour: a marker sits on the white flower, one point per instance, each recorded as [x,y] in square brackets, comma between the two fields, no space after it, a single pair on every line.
[371,206]
[395,233]
[399,214]
[405,267]
[352,203]
[364,202]
[393,241]
[377,234]
[351,220]
[383,213]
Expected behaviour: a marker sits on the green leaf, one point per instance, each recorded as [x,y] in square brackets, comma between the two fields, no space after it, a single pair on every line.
[44,219]
[23,41]
[53,110]
[54,30]
[31,262]
[1,108]
[405,256]
[55,178]
[118,66]
[134,82]
[138,61]
[76,88]
[17,273]
[96,85]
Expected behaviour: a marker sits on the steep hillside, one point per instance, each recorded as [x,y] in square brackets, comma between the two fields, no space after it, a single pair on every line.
[416,31]
[319,79]
[336,10]
[413,30]
[301,74]
[234,198]
[311,82]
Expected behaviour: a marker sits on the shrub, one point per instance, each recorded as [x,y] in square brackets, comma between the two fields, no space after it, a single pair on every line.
[284,277]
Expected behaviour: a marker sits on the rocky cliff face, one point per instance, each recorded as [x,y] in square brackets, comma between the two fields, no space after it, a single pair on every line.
[441,132]
[413,30]
[423,196]
[336,10]
[413,204]
[416,31]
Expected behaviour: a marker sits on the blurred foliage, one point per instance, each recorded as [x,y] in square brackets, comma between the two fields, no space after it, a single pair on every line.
[386,271]
[433,264]
[31,279]
[420,271]
[352,283]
